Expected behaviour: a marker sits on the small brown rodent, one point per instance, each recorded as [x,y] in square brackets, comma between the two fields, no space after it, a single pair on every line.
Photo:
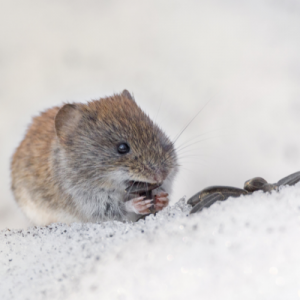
[76,161]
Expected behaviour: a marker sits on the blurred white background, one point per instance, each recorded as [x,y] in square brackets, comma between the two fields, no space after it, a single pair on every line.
[174,56]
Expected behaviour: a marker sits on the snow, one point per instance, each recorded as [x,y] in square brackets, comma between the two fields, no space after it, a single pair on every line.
[174,56]
[242,248]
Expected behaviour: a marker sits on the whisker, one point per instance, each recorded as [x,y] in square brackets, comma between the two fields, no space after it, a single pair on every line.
[200,135]
[210,138]
[196,163]
[189,170]
[189,123]
[194,153]
[129,192]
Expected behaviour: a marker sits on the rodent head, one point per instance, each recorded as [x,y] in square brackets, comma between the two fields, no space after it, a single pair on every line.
[111,141]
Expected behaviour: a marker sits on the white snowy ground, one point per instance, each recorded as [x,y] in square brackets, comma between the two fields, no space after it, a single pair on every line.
[243,248]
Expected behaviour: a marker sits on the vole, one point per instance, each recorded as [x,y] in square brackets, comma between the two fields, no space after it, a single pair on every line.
[77,161]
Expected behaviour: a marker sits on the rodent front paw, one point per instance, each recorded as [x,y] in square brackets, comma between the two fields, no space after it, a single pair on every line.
[139,205]
[161,201]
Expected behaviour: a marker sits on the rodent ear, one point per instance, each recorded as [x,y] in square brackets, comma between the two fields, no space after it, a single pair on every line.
[66,121]
[127,95]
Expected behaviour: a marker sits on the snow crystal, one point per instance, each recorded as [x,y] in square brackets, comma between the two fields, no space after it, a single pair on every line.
[242,248]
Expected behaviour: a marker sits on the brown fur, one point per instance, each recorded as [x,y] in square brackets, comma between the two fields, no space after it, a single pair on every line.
[67,168]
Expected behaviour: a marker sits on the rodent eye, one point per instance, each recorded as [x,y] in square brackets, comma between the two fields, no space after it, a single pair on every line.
[123,148]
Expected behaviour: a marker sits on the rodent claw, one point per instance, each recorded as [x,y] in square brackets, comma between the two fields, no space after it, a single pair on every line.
[139,199]
[161,203]
[163,199]
[143,206]
[162,194]
[138,205]
[148,201]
